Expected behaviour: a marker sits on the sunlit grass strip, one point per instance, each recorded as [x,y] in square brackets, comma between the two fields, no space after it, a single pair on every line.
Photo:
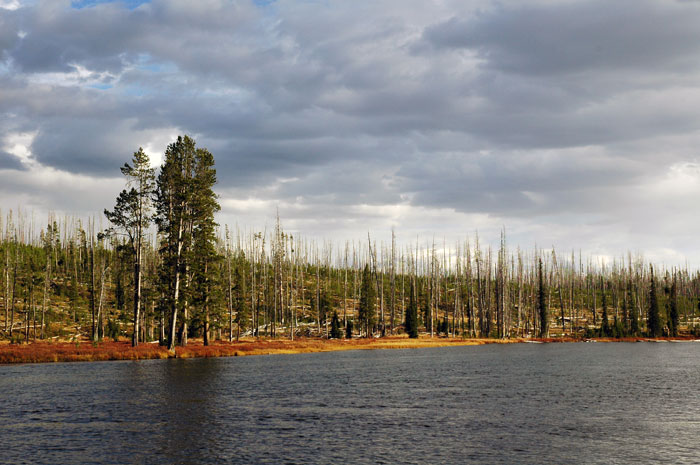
[42,352]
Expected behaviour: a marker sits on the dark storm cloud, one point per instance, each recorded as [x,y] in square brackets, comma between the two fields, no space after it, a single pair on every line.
[8,33]
[579,37]
[518,183]
[82,145]
[108,36]
[551,72]
[510,109]
[9,161]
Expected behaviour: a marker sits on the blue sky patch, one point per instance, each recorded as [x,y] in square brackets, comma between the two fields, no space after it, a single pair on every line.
[131,4]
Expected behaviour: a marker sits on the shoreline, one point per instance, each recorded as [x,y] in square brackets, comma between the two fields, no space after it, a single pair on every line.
[86,351]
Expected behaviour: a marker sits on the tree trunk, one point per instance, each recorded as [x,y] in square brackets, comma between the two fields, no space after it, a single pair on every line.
[176,291]
[206,306]
[47,280]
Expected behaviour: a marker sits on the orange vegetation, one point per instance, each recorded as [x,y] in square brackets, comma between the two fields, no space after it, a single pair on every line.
[619,339]
[86,351]
[74,352]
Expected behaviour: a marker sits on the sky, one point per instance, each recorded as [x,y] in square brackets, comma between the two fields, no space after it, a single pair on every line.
[573,124]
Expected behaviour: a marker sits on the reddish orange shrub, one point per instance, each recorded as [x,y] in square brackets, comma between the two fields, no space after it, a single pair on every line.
[85,351]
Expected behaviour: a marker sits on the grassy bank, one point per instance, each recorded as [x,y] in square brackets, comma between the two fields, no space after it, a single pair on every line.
[42,352]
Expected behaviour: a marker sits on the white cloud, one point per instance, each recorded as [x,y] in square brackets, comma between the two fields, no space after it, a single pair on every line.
[433,118]
[10,4]
[19,145]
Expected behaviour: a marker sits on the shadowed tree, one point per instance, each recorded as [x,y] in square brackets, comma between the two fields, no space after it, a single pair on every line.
[368,295]
[673,316]
[174,219]
[203,256]
[132,216]
[336,332]
[654,318]
[411,324]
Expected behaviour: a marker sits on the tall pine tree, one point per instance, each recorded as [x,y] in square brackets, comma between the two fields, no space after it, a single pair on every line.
[185,207]
[204,256]
[412,315]
[654,318]
[673,317]
[132,216]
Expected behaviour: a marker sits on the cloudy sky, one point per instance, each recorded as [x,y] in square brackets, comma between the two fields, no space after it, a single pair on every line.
[571,123]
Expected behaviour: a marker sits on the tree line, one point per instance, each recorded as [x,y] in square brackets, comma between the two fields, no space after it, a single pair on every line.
[164,270]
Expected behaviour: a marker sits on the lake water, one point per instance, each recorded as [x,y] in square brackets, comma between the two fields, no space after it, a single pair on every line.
[518,403]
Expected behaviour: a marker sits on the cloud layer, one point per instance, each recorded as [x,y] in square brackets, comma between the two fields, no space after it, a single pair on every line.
[572,123]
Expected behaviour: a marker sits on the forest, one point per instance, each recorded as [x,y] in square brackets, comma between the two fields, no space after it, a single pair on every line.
[164,270]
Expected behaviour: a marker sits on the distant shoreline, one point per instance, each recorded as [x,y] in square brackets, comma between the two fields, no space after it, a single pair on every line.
[47,352]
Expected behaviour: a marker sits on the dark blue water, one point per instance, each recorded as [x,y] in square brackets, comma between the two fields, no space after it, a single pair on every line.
[521,403]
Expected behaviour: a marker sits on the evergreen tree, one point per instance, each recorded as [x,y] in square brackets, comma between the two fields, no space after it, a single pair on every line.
[654,318]
[443,326]
[541,301]
[673,317]
[411,324]
[203,256]
[366,312]
[336,333]
[348,329]
[618,329]
[174,205]
[426,311]
[132,216]
[118,273]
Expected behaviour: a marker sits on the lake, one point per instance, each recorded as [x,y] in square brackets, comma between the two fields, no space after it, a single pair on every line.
[625,403]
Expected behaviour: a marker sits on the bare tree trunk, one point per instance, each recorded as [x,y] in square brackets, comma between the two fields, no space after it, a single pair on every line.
[47,280]
[7,288]
[93,303]
[345,289]
[206,305]
[229,293]
[318,294]
[380,279]
[14,288]
[392,297]
[101,301]
[26,310]
[137,289]
[176,290]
